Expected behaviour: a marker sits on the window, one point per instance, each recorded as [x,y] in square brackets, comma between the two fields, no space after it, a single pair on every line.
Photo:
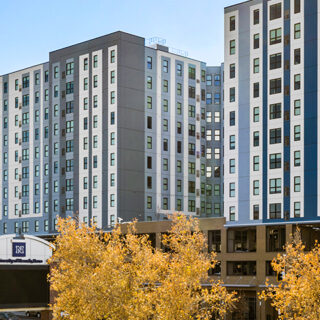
[297,107]
[275,11]
[112,56]
[69,165]
[256,16]
[256,138]
[192,92]
[69,68]
[95,142]
[69,146]
[85,84]
[232,95]
[179,108]
[232,142]
[232,189]
[85,104]
[149,142]
[275,186]
[232,47]
[275,61]
[256,90]
[275,36]
[297,31]
[256,163]
[112,77]
[297,82]
[275,86]
[179,70]
[95,101]
[232,118]
[95,61]
[256,114]
[232,213]
[209,80]
[192,111]
[149,102]
[69,204]
[275,111]
[179,166]
[165,86]
[232,23]
[25,100]
[165,66]
[217,80]
[112,138]
[275,210]
[256,41]
[297,158]
[95,81]
[56,91]
[191,148]
[192,73]
[112,97]
[297,184]
[149,82]
[209,98]
[297,133]
[217,98]
[256,188]
[256,65]
[179,127]
[192,168]
[85,64]
[112,119]
[232,166]
[149,62]
[275,160]
[297,209]
[275,136]
[297,56]
[69,126]
[191,205]
[25,83]
[297,6]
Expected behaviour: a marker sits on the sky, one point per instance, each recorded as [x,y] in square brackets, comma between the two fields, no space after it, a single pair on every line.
[29,30]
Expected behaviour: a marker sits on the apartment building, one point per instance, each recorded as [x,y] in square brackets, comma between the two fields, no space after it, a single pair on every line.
[110,129]
[271,102]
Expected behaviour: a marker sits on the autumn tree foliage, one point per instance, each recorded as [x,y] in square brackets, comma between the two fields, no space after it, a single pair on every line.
[297,295]
[114,276]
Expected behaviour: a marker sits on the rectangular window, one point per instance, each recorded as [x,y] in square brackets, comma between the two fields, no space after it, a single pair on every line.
[275,186]
[232,118]
[232,142]
[256,65]
[192,92]
[297,107]
[275,61]
[149,82]
[69,68]
[256,187]
[232,166]
[95,81]
[232,23]
[297,209]
[232,190]
[69,87]
[275,86]
[232,94]
[297,56]
[297,82]
[297,133]
[297,184]
[297,158]
[165,66]
[275,11]
[112,97]
[297,31]
[165,86]
[297,6]
[256,90]
[112,76]
[275,36]
[85,64]
[275,136]
[275,161]
[256,138]
[275,111]
[232,47]
[256,114]
[256,163]
[232,213]
[275,210]
[256,41]
[95,61]
[232,71]
[179,70]
[149,62]
[256,16]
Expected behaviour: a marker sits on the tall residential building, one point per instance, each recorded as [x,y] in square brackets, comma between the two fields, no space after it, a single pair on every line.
[110,129]
[271,112]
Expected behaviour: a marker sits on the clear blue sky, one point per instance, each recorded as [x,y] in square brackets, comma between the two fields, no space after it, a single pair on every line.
[29,30]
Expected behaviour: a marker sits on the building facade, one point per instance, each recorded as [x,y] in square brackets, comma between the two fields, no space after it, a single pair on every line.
[271,110]
[110,129]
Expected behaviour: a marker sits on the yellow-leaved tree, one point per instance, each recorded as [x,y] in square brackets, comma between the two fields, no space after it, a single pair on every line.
[116,276]
[297,293]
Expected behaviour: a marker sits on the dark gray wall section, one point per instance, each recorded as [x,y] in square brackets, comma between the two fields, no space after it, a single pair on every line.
[131,146]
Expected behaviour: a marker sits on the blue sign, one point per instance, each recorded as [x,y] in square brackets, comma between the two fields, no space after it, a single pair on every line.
[18,249]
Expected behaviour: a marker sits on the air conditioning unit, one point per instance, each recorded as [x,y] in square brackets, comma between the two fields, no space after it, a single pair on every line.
[63,113]
[20,195]
[286,191]
[198,117]
[287,141]
[198,81]
[63,132]
[287,115]
[198,193]
[20,141]
[286,215]
[286,39]
[198,211]
[20,177]
[287,14]
[20,159]
[198,98]
[20,88]
[198,135]
[20,213]
[63,151]
[20,105]
[63,171]
[63,94]
[20,124]
[63,74]
[198,173]
[63,190]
